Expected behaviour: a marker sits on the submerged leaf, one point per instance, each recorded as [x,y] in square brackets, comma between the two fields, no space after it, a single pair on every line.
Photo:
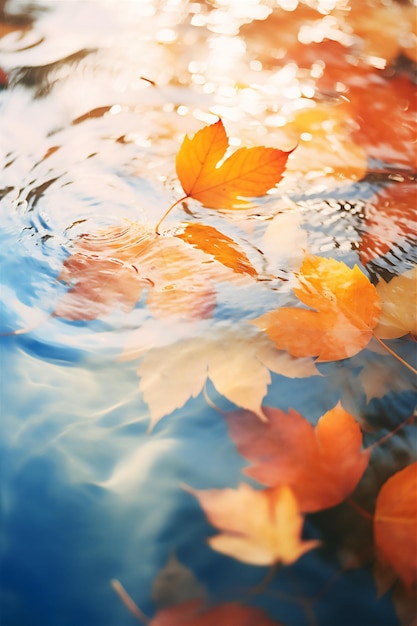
[176,584]
[102,272]
[236,362]
[395,523]
[322,465]
[247,173]
[346,307]
[257,527]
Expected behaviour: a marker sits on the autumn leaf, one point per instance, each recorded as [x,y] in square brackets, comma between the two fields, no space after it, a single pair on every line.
[223,248]
[114,267]
[395,523]
[194,613]
[381,375]
[101,272]
[346,307]
[326,147]
[257,527]
[385,117]
[176,584]
[382,117]
[321,465]
[389,221]
[237,362]
[398,300]
[248,172]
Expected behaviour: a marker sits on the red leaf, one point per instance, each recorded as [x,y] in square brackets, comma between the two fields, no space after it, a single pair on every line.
[322,465]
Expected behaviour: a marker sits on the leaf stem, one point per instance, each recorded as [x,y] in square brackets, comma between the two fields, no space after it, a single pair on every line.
[390,434]
[168,212]
[270,575]
[359,509]
[395,355]
[128,602]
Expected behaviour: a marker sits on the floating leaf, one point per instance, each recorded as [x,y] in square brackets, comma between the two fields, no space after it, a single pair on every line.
[395,523]
[236,362]
[381,375]
[223,248]
[322,465]
[257,527]
[247,173]
[398,301]
[347,309]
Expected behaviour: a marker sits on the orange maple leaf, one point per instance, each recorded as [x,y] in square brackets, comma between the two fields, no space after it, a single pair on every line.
[347,308]
[193,613]
[322,465]
[248,172]
[257,527]
[223,249]
[395,523]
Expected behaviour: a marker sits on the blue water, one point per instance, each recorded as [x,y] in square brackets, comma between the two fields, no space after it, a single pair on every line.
[88,494]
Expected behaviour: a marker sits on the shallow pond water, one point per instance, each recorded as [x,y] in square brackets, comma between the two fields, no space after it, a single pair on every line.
[122,352]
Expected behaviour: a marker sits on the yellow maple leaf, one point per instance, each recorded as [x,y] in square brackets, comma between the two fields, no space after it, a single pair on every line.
[236,361]
[257,527]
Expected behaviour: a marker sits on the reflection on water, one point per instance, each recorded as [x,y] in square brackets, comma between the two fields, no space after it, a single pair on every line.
[106,327]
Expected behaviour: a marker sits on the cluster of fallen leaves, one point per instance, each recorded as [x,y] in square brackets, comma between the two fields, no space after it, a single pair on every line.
[301,469]
[305,469]
[111,268]
[308,469]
